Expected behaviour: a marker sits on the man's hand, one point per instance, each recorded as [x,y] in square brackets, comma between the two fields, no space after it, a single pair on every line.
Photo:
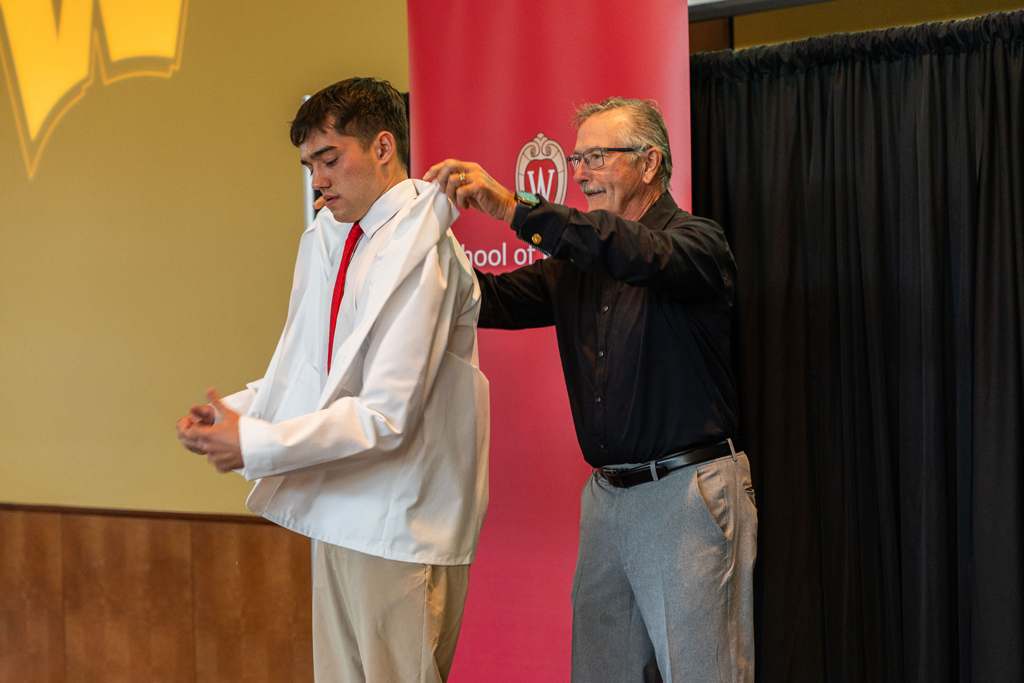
[469,186]
[198,415]
[219,442]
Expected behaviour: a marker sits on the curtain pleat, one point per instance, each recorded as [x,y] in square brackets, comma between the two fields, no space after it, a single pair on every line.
[872,187]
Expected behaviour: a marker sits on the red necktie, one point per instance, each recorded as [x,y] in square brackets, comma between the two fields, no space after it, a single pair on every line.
[339,285]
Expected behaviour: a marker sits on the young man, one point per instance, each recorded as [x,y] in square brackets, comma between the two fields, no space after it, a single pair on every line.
[369,431]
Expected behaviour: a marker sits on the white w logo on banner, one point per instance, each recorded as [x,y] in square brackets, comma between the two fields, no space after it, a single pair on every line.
[539,187]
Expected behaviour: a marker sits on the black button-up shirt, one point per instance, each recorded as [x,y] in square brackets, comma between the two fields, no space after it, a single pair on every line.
[642,313]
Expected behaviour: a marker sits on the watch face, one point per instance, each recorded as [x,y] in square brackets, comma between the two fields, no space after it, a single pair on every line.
[528,198]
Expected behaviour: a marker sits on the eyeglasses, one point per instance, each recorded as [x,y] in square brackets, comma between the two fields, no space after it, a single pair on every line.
[594,157]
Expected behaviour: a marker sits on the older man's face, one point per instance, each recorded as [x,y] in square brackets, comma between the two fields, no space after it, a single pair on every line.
[618,184]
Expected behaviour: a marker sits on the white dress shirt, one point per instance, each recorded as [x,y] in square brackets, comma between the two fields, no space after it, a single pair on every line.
[387,453]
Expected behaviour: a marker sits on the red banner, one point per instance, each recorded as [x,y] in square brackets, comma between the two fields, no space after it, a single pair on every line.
[497,83]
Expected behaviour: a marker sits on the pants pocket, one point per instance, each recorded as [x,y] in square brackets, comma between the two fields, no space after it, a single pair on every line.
[711,489]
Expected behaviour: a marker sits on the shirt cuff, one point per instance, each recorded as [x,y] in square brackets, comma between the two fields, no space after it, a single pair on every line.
[542,225]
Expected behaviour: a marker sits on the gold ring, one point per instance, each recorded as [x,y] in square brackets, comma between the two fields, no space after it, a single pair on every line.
[462,179]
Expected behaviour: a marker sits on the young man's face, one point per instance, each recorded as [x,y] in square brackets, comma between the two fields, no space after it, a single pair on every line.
[349,177]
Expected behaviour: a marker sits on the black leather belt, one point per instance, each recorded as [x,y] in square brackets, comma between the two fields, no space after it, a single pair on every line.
[625,477]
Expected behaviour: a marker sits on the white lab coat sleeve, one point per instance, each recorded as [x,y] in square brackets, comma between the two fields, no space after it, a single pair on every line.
[404,352]
[241,400]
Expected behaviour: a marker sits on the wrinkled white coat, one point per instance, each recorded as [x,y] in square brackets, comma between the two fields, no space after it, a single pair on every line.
[390,458]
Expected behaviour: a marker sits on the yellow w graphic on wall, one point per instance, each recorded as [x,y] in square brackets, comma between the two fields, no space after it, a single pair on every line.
[53,48]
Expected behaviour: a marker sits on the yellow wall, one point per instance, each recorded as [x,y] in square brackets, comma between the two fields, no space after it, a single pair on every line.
[150,254]
[848,16]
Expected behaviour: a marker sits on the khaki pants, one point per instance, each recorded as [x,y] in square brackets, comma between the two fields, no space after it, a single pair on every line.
[384,621]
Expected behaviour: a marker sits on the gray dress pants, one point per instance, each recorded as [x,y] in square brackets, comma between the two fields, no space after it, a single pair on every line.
[663,584]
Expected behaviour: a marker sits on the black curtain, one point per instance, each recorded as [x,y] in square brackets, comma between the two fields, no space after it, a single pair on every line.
[872,187]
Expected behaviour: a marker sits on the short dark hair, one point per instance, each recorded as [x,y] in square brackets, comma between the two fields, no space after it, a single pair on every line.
[360,107]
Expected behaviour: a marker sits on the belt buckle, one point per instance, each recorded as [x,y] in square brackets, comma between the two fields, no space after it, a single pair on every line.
[611,476]
[614,478]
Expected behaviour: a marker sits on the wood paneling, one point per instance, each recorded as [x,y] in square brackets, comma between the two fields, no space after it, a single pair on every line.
[253,620]
[31,604]
[127,600]
[711,35]
[112,596]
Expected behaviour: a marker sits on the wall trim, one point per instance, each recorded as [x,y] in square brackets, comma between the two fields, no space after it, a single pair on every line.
[147,514]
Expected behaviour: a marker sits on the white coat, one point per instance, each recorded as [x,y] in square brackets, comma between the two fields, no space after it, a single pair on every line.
[389,458]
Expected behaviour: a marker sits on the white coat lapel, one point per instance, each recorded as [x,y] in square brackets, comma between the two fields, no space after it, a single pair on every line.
[421,225]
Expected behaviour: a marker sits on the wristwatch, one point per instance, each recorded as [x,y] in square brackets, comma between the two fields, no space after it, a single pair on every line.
[525,201]
[527,198]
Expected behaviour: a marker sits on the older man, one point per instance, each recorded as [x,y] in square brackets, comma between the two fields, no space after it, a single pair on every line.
[369,430]
[640,293]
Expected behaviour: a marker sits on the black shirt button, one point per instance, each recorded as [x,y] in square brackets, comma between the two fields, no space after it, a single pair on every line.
[600,354]
[598,399]
[604,310]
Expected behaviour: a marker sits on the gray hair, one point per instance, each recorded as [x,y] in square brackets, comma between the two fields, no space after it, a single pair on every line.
[647,129]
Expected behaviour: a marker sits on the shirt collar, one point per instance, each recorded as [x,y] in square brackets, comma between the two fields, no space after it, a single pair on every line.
[385,208]
[657,217]
[332,234]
